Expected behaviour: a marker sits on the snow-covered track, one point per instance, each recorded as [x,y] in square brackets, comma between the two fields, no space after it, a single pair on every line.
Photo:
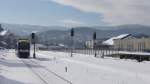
[35,72]
[45,74]
[54,73]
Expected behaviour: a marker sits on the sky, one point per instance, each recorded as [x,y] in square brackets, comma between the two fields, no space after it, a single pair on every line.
[75,12]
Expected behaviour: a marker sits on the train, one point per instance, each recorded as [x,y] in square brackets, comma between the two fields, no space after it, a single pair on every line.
[23,48]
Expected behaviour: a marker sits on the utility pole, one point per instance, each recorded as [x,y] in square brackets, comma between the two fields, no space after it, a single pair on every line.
[72,35]
[94,43]
[33,42]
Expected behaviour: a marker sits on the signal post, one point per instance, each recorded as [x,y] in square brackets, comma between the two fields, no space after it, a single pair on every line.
[33,42]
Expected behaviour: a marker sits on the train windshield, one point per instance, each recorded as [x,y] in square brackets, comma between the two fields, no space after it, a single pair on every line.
[24,46]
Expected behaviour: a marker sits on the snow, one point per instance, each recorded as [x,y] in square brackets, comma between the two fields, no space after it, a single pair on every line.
[3,42]
[79,69]
[95,71]
[135,53]
[40,46]
[111,42]
[61,45]
[13,71]
[4,32]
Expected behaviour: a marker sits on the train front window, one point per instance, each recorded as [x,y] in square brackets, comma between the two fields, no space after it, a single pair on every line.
[23,46]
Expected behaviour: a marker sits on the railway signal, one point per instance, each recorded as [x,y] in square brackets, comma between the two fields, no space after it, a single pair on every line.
[94,43]
[72,32]
[33,42]
[72,35]
[94,36]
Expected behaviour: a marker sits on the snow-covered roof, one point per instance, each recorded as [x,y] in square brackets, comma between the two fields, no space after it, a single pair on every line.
[40,45]
[4,32]
[61,45]
[111,42]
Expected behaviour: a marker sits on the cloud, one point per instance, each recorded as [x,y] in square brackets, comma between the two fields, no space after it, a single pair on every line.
[114,12]
[71,23]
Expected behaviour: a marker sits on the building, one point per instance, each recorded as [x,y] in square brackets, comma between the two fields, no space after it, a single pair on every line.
[90,43]
[109,43]
[40,47]
[133,43]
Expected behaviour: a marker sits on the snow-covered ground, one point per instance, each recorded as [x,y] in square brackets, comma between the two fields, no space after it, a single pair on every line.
[14,71]
[60,68]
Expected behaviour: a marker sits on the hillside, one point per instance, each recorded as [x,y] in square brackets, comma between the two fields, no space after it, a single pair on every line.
[23,30]
[7,39]
[58,34]
[85,33]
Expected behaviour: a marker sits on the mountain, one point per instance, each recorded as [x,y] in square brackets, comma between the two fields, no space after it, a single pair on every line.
[86,32]
[7,39]
[123,29]
[83,34]
[103,31]
[1,29]
[58,34]
[23,30]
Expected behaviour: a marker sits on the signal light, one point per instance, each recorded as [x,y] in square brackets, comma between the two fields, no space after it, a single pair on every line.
[33,35]
[72,32]
[94,36]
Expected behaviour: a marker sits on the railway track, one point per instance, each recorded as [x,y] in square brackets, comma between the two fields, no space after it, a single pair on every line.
[46,75]
[35,72]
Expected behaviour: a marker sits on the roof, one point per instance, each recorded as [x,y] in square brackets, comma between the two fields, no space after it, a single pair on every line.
[111,42]
[4,32]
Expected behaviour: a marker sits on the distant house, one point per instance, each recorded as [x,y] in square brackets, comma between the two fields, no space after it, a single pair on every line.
[90,43]
[109,43]
[133,43]
[40,47]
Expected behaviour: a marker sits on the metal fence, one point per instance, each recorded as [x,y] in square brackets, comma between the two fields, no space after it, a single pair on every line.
[87,51]
[101,53]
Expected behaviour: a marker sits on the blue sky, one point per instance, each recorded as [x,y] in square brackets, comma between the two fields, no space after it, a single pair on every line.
[75,12]
[37,12]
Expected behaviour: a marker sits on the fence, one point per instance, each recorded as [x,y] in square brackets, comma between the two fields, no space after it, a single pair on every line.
[99,52]
[109,53]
